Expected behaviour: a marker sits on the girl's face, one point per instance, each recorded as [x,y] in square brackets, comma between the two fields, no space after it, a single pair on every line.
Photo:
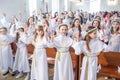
[63,30]
[31,20]
[20,31]
[93,35]
[40,32]
[77,23]
[59,21]
[115,25]
[3,32]
[95,23]
[44,23]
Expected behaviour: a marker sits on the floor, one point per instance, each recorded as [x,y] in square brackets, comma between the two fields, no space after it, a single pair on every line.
[9,77]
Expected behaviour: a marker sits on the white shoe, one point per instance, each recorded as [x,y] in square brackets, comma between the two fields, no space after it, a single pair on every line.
[27,77]
[19,75]
[106,77]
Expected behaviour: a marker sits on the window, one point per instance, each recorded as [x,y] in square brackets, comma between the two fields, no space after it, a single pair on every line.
[112,2]
[32,6]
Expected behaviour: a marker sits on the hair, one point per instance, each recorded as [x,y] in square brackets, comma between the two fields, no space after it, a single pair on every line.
[55,14]
[81,19]
[87,37]
[73,25]
[63,25]
[40,28]
[98,23]
[4,28]
[112,31]
[29,19]
[58,19]
[96,17]
[46,22]
[18,35]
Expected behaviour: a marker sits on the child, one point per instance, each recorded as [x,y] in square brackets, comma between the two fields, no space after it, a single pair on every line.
[101,31]
[39,69]
[6,57]
[31,26]
[46,26]
[75,27]
[90,50]
[115,37]
[21,63]
[63,69]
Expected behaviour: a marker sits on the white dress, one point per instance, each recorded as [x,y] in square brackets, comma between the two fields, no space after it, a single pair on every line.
[63,69]
[114,43]
[72,31]
[39,69]
[6,57]
[90,60]
[21,63]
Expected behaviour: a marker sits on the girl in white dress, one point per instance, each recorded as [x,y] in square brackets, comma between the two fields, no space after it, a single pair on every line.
[39,69]
[101,31]
[114,41]
[21,63]
[46,26]
[31,27]
[91,48]
[74,27]
[6,57]
[63,69]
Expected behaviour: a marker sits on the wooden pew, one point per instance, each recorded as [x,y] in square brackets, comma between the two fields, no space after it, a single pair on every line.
[109,62]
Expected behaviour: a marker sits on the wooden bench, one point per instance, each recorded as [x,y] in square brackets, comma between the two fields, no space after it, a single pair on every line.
[109,64]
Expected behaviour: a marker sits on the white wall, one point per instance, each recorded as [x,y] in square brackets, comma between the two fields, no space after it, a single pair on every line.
[12,7]
[105,7]
[85,6]
[94,6]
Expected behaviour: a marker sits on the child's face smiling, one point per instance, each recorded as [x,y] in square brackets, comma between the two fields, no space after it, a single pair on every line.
[63,30]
